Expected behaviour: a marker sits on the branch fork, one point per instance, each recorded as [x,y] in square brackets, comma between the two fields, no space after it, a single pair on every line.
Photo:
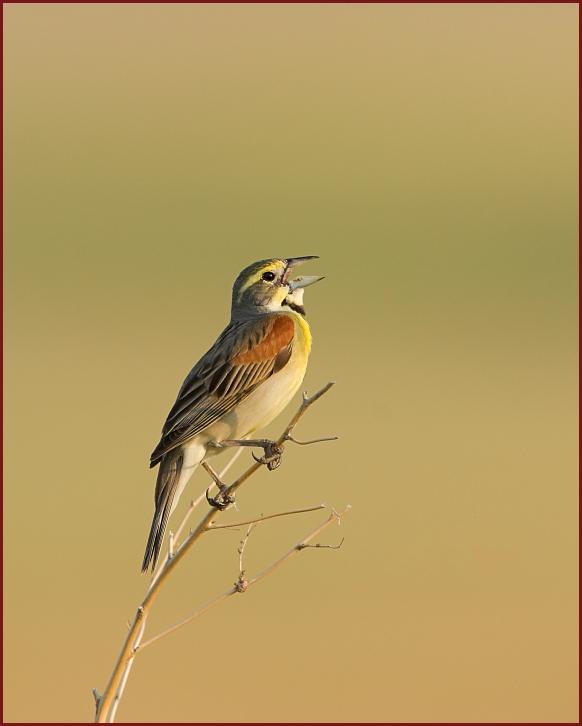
[106,704]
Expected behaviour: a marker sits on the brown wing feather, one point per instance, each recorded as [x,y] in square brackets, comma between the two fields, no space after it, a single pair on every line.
[245,355]
[277,339]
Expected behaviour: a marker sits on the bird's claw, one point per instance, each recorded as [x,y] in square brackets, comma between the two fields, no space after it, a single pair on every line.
[272,457]
[222,501]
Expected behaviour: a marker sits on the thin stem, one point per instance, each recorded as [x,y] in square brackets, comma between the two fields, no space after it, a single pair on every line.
[240,585]
[305,404]
[267,516]
[323,546]
[300,546]
[296,549]
[127,651]
[312,441]
[125,676]
[192,506]
[195,502]
[105,702]
[197,613]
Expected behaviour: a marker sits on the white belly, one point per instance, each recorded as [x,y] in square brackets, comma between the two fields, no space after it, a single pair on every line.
[255,412]
[260,408]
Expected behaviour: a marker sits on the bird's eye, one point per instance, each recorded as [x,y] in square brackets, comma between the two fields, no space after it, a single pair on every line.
[268,276]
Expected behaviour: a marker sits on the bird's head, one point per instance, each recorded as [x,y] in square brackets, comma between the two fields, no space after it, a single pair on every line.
[269,286]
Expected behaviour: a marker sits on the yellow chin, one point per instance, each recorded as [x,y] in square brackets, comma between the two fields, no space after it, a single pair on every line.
[277,299]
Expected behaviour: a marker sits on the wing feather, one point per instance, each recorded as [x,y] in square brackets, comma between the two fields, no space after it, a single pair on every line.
[245,355]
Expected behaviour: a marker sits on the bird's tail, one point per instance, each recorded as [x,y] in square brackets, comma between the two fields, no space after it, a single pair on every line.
[166,489]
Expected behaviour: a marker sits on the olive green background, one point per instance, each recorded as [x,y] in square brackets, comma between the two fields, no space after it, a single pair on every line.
[428,154]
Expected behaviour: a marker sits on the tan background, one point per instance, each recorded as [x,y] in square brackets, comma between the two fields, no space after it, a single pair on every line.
[429,155]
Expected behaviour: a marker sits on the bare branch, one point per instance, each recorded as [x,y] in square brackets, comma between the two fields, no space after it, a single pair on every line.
[126,672]
[322,546]
[196,614]
[241,584]
[303,544]
[241,550]
[192,506]
[105,707]
[195,502]
[313,441]
[300,546]
[267,516]
[306,402]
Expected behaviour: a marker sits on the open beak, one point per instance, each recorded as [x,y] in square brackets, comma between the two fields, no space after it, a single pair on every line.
[296,261]
[304,280]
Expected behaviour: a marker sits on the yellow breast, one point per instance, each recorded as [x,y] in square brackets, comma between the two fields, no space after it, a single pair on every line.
[271,397]
[302,334]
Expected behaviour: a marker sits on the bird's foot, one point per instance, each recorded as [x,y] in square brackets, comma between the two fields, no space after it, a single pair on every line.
[273,454]
[273,450]
[223,499]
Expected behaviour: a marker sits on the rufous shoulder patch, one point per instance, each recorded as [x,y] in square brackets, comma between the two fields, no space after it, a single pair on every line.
[278,338]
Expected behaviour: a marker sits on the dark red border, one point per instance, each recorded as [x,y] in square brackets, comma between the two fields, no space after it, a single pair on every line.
[189,2]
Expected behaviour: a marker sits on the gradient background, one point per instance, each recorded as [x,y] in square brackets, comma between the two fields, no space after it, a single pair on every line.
[429,155]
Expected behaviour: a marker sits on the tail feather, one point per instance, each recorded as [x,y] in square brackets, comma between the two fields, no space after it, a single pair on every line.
[166,486]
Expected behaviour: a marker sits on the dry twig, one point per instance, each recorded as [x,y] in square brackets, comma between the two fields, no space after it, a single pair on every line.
[107,703]
[242,585]
[268,516]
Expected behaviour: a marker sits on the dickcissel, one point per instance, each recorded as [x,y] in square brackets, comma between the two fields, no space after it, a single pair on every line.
[239,386]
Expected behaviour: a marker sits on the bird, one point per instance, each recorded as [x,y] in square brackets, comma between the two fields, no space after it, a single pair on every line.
[238,387]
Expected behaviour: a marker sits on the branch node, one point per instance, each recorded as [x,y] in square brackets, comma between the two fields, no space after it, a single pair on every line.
[242,583]
[107,703]
[303,546]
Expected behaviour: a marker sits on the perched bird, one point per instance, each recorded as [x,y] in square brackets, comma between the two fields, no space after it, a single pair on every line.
[239,386]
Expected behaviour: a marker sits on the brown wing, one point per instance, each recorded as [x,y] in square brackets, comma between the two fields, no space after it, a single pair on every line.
[245,355]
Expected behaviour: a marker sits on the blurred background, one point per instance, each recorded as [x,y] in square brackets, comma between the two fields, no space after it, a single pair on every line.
[428,154]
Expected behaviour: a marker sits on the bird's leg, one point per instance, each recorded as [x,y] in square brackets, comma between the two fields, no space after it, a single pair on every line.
[224,499]
[273,451]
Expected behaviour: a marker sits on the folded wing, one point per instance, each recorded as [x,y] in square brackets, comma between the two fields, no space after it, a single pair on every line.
[245,355]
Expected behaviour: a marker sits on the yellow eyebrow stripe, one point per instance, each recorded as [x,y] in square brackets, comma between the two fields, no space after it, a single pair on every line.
[256,277]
